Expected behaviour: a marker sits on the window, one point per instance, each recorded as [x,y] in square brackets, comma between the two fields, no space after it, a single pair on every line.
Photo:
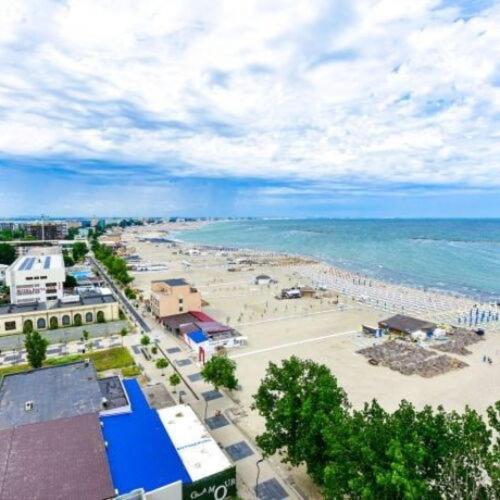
[89,317]
[41,323]
[181,309]
[181,300]
[66,320]
[10,325]
[77,320]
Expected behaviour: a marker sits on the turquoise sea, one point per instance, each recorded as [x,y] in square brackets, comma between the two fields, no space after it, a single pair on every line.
[461,256]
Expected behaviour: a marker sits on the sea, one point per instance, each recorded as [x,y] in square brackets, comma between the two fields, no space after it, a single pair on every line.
[460,256]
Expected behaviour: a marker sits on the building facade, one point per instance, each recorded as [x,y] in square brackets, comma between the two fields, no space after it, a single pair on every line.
[36,278]
[47,231]
[85,310]
[173,296]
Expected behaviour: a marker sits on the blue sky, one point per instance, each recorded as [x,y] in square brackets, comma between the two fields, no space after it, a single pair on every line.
[349,108]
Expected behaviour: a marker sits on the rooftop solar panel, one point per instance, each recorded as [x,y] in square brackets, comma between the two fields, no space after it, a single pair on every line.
[30,263]
[23,264]
[47,263]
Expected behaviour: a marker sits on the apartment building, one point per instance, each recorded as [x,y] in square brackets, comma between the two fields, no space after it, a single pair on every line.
[173,296]
[47,230]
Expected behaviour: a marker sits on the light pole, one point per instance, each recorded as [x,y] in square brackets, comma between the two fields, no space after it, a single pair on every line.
[258,476]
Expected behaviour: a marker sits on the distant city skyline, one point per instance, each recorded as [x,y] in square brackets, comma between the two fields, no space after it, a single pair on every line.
[340,108]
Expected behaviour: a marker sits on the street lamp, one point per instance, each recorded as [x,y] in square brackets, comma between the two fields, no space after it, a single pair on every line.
[258,475]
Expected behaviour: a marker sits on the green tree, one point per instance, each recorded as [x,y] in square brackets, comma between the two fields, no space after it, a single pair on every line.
[7,254]
[77,320]
[70,281]
[174,380]
[79,250]
[123,333]
[36,348]
[161,364]
[145,340]
[298,400]
[53,323]
[85,334]
[100,317]
[130,293]
[68,260]
[28,326]
[220,372]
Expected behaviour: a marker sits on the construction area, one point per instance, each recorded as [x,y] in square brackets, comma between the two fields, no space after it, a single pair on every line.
[458,341]
[410,359]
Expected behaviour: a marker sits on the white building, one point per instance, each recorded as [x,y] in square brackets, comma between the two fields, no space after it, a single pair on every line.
[3,269]
[36,278]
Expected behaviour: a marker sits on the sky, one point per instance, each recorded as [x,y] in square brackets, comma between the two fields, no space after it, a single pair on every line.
[301,108]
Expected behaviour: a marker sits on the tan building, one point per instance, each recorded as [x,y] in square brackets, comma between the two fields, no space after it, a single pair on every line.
[173,296]
[86,309]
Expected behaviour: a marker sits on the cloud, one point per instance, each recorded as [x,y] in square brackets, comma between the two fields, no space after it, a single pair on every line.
[351,95]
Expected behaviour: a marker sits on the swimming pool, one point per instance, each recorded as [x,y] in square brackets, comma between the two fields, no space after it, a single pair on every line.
[81,275]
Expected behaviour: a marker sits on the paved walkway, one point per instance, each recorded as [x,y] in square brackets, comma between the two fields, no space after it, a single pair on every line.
[217,409]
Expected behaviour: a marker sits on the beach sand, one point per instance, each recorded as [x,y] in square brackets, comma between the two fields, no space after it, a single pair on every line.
[318,329]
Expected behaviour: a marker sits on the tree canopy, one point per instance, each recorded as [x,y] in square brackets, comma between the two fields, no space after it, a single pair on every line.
[36,348]
[372,453]
[79,250]
[7,254]
[116,266]
[220,372]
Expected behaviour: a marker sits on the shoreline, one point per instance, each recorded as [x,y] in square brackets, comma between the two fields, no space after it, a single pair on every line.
[481,298]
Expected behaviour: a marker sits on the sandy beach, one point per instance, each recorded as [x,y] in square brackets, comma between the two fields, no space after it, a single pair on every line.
[326,330]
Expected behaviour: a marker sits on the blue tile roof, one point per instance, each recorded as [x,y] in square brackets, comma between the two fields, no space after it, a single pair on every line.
[140,452]
[198,336]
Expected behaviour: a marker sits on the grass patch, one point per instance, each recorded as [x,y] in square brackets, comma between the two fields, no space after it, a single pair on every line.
[118,357]
[131,371]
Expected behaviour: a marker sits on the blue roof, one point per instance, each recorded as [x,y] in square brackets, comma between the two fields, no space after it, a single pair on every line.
[140,452]
[198,336]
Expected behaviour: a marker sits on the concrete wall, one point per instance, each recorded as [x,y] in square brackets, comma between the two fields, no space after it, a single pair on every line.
[167,301]
[170,492]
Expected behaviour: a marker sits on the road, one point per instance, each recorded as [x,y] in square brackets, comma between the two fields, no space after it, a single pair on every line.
[120,296]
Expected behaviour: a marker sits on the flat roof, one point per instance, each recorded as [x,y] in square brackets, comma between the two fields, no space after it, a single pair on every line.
[173,282]
[140,452]
[112,389]
[197,449]
[56,392]
[83,300]
[406,324]
[58,459]
[37,263]
[176,320]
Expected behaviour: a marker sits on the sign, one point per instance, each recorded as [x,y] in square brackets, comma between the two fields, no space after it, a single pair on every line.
[219,486]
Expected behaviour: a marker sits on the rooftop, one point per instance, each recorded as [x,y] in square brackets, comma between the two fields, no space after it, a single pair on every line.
[85,299]
[56,392]
[174,282]
[199,452]
[33,263]
[59,459]
[112,389]
[406,324]
[140,452]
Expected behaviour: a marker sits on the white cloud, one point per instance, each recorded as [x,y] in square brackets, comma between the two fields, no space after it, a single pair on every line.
[386,91]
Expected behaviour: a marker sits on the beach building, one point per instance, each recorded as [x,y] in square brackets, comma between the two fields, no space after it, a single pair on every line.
[203,334]
[402,325]
[36,277]
[263,279]
[173,296]
[164,454]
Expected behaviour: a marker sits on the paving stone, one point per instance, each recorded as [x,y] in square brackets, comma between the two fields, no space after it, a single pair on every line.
[211,395]
[194,377]
[217,421]
[183,362]
[239,451]
[270,490]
